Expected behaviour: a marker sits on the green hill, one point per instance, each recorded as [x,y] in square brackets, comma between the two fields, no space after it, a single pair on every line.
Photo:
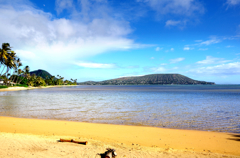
[42,73]
[149,79]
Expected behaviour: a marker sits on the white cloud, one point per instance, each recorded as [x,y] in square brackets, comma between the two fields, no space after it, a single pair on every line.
[96,65]
[162,69]
[223,69]
[180,23]
[182,7]
[26,54]
[176,60]
[163,64]
[64,4]
[212,40]
[131,76]
[212,60]
[215,40]
[159,69]
[235,37]
[172,23]
[187,48]
[158,49]
[59,41]
[233,2]
[152,58]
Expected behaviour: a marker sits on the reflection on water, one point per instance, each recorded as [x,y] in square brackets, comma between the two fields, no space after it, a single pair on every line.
[215,108]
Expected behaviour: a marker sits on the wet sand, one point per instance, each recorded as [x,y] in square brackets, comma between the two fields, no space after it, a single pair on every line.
[21,137]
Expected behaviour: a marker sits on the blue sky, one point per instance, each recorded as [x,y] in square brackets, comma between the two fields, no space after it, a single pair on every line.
[105,39]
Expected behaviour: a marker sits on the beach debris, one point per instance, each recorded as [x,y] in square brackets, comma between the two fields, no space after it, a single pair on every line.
[110,153]
[74,141]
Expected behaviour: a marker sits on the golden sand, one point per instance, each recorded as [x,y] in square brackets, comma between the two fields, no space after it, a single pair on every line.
[38,138]
[27,88]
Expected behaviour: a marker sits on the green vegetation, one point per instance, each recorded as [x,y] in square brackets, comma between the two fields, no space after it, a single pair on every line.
[155,79]
[21,85]
[11,73]
[3,87]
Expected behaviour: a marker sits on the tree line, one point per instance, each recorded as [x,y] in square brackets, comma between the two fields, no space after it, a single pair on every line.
[11,72]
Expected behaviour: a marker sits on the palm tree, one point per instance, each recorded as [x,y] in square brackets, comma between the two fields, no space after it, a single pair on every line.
[51,80]
[12,63]
[19,64]
[39,81]
[4,52]
[25,72]
[31,79]
[19,73]
[75,82]
[27,69]
[4,55]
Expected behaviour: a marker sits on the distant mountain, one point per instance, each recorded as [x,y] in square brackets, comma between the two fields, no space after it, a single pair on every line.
[42,73]
[157,79]
[89,83]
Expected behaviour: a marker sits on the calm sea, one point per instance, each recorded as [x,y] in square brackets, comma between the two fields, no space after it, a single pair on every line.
[200,107]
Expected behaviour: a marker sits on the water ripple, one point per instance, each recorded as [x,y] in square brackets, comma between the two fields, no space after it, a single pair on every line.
[214,108]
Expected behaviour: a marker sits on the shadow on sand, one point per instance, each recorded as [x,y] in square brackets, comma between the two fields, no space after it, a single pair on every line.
[102,155]
[235,137]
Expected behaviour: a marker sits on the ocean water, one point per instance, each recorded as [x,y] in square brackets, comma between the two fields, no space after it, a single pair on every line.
[198,107]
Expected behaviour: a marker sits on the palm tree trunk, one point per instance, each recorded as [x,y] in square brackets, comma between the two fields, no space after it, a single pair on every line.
[10,79]
[18,81]
[22,79]
[15,78]
[3,69]
[6,71]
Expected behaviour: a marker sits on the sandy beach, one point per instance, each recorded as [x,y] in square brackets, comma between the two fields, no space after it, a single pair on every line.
[22,137]
[27,88]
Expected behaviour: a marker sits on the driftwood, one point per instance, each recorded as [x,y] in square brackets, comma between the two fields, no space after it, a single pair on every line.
[74,141]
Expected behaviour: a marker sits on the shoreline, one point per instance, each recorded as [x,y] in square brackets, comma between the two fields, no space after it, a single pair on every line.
[28,88]
[105,123]
[151,138]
